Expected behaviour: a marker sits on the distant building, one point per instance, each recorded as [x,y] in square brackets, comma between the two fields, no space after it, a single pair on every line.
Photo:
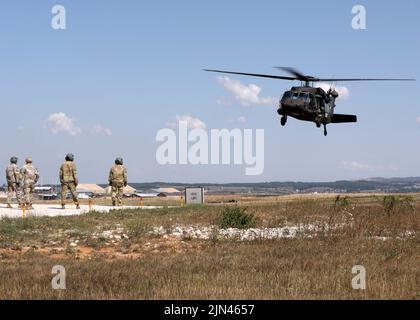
[146,195]
[43,189]
[128,191]
[167,192]
[45,192]
[89,190]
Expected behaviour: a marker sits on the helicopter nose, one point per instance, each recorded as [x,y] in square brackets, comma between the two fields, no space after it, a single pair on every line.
[293,107]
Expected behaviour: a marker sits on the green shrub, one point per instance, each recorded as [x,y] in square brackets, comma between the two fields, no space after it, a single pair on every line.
[341,201]
[392,203]
[389,204]
[236,217]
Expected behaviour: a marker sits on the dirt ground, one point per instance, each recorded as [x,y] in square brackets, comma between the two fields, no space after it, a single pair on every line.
[169,252]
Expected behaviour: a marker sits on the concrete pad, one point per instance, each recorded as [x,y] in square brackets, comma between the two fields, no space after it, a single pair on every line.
[54,210]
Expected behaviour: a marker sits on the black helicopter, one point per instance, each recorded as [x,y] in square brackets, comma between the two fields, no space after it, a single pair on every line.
[306,102]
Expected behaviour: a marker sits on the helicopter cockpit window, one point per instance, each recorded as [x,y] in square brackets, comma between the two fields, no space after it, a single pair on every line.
[287,95]
[295,95]
[304,96]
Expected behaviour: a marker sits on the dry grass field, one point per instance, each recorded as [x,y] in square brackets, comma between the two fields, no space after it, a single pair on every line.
[119,256]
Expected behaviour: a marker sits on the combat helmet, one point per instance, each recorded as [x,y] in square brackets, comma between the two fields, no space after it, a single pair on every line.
[13,160]
[119,161]
[28,160]
[70,157]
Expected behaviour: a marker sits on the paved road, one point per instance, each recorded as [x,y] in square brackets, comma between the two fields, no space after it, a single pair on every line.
[55,210]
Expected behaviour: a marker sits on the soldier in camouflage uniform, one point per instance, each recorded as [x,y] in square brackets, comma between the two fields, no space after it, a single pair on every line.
[13,182]
[30,176]
[69,181]
[117,180]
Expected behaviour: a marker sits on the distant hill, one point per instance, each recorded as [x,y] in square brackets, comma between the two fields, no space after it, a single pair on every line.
[410,184]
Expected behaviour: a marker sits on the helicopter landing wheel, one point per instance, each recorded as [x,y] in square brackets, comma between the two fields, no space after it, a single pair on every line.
[283,121]
[318,124]
[325,130]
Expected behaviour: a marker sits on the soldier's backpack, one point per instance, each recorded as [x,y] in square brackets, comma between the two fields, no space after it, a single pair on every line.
[11,174]
[118,174]
[30,173]
[68,169]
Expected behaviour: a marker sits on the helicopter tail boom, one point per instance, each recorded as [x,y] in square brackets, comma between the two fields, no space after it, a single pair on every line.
[343,118]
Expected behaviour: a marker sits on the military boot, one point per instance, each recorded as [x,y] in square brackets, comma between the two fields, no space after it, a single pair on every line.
[63,206]
[77,206]
[9,206]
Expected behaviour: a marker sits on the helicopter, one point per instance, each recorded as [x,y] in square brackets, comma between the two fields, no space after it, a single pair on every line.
[306,102]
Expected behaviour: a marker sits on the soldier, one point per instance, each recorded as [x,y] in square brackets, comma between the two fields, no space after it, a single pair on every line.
[13,182]
[30,176]
[117,180]
[69,181]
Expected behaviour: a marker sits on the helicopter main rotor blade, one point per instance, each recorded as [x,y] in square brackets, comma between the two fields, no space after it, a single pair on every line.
[304,77]
[340,80]
[253,75]
[299,75]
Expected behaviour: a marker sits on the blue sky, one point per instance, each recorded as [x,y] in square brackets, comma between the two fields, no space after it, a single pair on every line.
[122,70]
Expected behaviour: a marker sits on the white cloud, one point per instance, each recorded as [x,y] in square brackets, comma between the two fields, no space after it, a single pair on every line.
[246,95]
[241,119]
[354,165]
[359,166]
[101,130]
[61,123]
[223,101]
[193,123]
[343,92]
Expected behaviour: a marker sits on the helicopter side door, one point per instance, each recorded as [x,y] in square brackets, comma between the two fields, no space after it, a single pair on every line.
[320,104]
[312,103]
[328,109]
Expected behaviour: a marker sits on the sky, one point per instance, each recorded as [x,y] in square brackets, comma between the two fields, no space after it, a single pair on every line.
[123,70]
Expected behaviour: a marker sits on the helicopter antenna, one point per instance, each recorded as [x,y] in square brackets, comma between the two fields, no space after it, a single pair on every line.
[332,85]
